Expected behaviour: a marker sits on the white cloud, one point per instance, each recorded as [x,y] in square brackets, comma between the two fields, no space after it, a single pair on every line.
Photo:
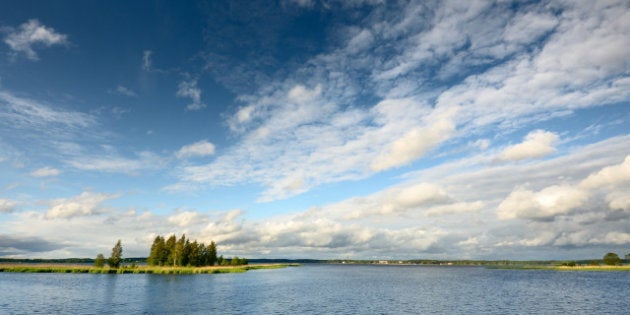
[7,205]
[125,91]
[300,94]
[415,143]
[536,144]
[114,163]
[470,69]
[392,201]
[190,90]
[85,204]
[619,200]
[402,221]
[30,34]
[302,3]
[197,149]
[557,200]
[28,114]
[611,175]
[455,208]
[45,172]
[147,61]
[544,204]
[187,219]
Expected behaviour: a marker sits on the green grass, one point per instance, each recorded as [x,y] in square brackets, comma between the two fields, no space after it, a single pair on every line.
[61,268]
[564,268]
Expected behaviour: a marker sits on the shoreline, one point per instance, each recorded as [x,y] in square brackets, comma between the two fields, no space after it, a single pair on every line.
[564,268]
[74,268]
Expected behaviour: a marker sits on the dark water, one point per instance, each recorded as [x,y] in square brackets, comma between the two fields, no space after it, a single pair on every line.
[322,289]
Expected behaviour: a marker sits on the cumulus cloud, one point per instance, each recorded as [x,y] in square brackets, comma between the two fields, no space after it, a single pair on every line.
[189,89]
[45,172]
[31,34]
[536,144]
[197,149]
[415,143]
[7,205]
[561,199]
[396,200]
[544,204]
[455,208]
[404,221]
[619,200]
[187,219]
[85,204]
[611,175]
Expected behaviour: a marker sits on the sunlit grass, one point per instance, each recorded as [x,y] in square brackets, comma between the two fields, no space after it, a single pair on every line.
[594,268]
[565,268]
[63,268]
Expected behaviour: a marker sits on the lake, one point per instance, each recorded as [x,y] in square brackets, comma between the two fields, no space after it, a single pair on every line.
[322,289]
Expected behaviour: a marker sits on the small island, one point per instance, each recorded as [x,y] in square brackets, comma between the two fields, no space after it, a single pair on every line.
[167,256]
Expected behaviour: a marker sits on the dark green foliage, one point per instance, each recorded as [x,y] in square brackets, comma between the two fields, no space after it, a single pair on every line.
[158,254]
[116,258]
[236,261]
[181,252]
[211,254]
[99,262]
[612,259]
[170,251]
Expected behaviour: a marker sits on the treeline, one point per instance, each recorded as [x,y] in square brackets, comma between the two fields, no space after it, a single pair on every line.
[183,252]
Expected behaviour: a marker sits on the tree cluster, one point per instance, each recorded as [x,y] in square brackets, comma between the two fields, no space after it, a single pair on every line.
[181,252]
[114,260]
[612,259]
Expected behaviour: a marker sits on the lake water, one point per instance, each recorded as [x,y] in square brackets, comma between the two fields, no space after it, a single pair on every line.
[322,289]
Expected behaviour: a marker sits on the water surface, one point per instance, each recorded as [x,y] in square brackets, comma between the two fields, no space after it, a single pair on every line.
[322,289]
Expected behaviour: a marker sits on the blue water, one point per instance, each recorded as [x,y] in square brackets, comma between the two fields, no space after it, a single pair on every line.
[322,289]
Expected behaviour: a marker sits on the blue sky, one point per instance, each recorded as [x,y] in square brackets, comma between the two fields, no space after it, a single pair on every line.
[316,129]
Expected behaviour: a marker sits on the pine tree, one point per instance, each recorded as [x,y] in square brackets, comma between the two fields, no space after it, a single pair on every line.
[170,250]
[116,258]
[156,257]
[178,257]
[212,254]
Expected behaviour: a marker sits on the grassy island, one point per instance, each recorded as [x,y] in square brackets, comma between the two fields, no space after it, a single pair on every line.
[71,268]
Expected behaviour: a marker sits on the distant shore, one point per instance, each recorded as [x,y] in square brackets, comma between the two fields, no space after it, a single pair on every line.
[565,268]
[77,268]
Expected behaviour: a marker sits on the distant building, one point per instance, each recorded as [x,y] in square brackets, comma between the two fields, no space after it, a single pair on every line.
[383,262]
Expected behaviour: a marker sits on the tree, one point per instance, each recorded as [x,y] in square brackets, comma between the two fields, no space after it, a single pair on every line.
[116,258]
[179,253]
[183,252]
[170,250]
[211,254]
[612,259]
[158,255]
[99,262]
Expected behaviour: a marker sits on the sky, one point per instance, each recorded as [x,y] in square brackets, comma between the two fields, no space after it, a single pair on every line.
[316,129]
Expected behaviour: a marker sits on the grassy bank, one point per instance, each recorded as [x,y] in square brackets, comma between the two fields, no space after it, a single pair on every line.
[593,268]
[564,268]
[64,268]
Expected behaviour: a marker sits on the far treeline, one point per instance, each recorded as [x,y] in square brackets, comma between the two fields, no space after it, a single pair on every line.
[175,252]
